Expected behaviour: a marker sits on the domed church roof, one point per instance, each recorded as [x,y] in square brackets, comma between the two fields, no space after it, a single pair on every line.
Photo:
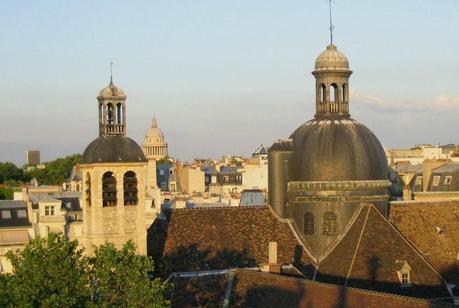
[154,132]
[113,149]
[337,150]
[331,59]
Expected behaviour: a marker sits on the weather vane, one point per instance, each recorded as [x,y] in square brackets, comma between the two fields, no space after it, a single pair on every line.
[111,71]
[331,22]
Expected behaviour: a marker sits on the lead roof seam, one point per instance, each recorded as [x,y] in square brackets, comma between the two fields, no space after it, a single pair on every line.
[357,247]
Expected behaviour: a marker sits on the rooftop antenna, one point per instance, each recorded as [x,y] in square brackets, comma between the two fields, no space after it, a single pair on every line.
[111,72]
[331,22]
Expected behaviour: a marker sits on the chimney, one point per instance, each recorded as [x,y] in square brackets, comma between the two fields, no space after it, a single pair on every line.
[274,266]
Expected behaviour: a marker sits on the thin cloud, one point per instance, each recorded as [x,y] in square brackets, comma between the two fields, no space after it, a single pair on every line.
[440,103]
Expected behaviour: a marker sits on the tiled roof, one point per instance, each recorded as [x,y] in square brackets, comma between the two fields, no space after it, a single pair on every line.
[251,288]
[8,204]
[369,256]
[218,238]
[433,228]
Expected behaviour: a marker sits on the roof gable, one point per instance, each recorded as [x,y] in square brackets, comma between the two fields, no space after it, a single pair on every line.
[368,257]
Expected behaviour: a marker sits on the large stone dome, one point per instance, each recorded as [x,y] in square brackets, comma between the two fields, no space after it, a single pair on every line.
[113,149]
[337,150]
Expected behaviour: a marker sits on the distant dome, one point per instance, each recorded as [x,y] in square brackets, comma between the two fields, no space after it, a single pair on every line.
[111,91]
[113,149]
[337,150]
[331,59]
[154,133]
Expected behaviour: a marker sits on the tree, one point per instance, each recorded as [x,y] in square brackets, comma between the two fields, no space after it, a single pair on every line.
[55,172]
[9,171]
[49,272]
[121,278]
[53,272]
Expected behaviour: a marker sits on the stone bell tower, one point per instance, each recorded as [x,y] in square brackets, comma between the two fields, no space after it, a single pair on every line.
[114,179]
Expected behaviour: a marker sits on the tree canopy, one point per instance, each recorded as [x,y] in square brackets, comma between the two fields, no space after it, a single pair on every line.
[55,172]
[54,272]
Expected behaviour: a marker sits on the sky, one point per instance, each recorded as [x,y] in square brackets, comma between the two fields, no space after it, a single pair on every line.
[222,77]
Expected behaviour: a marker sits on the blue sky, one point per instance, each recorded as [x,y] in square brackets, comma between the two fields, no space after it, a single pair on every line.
[222,76]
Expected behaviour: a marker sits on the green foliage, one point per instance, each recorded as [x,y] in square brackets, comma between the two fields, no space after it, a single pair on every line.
[55,172]
[164,161]
[49,272]
[6,193]
[9,171]
[120,278]
[53,272]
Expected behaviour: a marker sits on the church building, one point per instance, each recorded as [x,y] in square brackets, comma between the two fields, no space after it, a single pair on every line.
[113,168]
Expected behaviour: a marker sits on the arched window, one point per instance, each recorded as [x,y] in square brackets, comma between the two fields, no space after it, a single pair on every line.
[109,189]
[130,188]
[308,223]
[101,113]
[110,113]
[118,114]
[323,93]
[88,189]
[330,224]
[344,93]
[334,92]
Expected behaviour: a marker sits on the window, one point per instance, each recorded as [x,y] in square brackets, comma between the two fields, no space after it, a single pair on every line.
[334,92]
[436,180]
[161,172]
[448,179]
[404,274]
[330,224]
[88,189]
[49,210]
[405,278]
[323,93]
[130,188]
[109,189]
[6,214]
[22,214]
[419,180]
[308,223]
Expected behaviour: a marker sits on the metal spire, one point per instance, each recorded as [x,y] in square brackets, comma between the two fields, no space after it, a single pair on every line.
[111,72]
[331,22]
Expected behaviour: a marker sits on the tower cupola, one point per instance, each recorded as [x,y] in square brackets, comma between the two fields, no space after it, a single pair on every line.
[332,84]
[112,111]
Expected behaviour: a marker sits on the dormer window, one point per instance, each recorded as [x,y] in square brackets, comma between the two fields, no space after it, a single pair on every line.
[448,179]
[404,274]
[436,180]
[419,180]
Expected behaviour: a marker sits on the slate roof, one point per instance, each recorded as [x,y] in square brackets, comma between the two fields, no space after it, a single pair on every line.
[433,228]
[13,206]
[70,201]
[113,149]
[256,289]
[369,255]
[219,238]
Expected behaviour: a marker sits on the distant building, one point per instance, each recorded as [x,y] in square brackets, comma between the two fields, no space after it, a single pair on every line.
[190,179]
[32,157]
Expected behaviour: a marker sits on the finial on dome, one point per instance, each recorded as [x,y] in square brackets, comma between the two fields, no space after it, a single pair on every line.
[154,124]
[331,22]
[111,72]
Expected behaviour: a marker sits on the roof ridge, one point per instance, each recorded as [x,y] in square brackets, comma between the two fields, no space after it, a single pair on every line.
[205,208]
[297,237]
[358,244]
[346,230]
[335,286]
